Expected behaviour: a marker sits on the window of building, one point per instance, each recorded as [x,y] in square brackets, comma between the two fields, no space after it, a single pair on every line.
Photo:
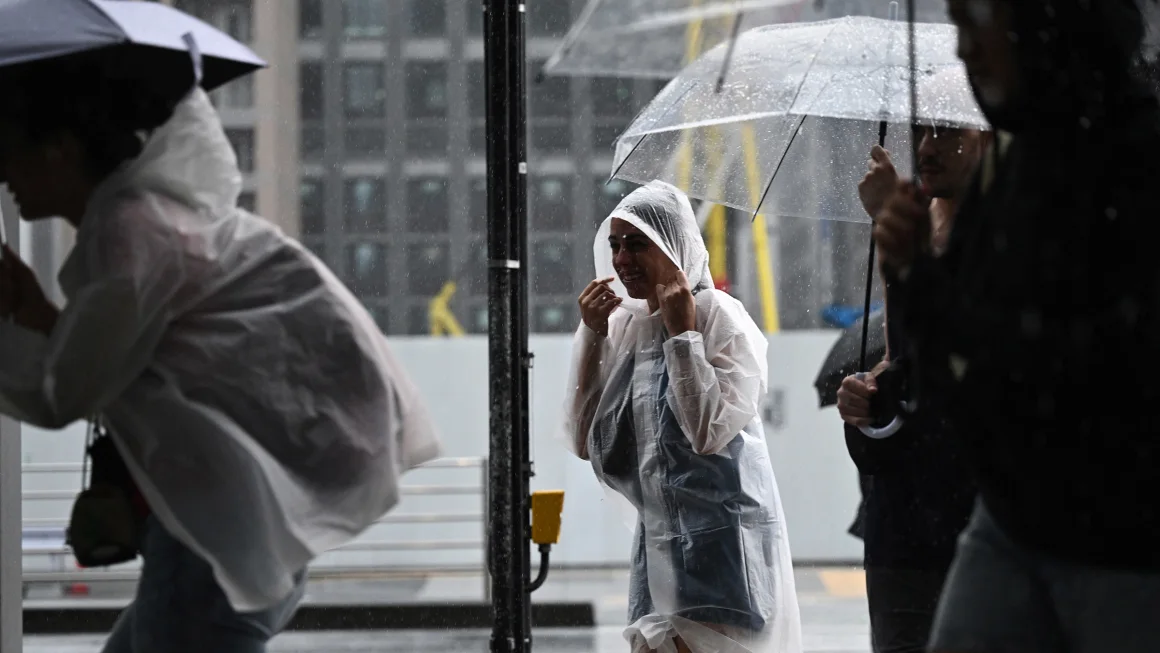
[429,18]
[313,142]
[310,19]
[428,268]
[608,194]
[475,273]
[477,320]
[552,268]
[554,318]
[242,140]
[364,19]
[427,205]
[548,98]
[238,94]
[428,137]
[476,93]
[613,98]
[551,203]
[475,19]
[310,99]
[312,207]
[366,268]
[554,137]
[380,315]
[364,95]
[364,204]
[549,17]
[365,143]
[478,218]
[426,89]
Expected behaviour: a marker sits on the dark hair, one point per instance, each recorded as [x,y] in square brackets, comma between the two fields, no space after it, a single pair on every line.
[111,114]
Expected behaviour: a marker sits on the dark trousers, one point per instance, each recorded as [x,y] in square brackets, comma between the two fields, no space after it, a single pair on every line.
[902,607]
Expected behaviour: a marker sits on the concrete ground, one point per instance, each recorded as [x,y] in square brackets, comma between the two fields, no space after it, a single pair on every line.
[832,600]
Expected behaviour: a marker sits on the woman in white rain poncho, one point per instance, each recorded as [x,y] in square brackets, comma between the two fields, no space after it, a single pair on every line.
[667,380]
[251,396]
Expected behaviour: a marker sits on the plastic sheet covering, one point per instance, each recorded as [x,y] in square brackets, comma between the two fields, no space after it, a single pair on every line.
[672,425]
[653,38]
[791,129]
[253,398]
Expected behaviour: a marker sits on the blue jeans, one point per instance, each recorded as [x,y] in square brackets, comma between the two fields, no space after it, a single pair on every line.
[180,608]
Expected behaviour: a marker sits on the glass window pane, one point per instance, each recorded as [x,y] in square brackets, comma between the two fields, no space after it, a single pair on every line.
[475,19]
[552,268]
[364,19]
[549,98]
[364,96]
[419,321]
[613,98]
[549,17]
[608,195]
[426,89]
[604,136]
[427,204]
[366,268]
[476,94]
[477,321]
[428,17]
[242,140]
[312,207]
[313,143]
[428,268]
[558,318]
[364,204]
[310,19]
[551,203]
[365,143]
[551,138]
[310,100]
[475,274]
[380,315]
[478,218]
[428,137]
[238,94]
[478,140]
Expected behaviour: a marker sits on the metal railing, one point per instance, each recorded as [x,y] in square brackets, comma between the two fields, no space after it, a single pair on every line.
[320,572]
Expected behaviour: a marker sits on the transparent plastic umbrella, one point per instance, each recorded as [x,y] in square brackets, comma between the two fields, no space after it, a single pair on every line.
[655,38]
[789,132]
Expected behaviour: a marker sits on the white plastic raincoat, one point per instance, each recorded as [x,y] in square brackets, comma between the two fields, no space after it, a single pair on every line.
[252,397]
[671,423]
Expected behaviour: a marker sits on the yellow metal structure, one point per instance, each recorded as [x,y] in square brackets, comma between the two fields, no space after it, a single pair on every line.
[716,226]
[439,315]
[547,508]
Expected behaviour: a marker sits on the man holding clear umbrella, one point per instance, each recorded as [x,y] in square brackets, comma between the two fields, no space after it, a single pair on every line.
[917,492]
[1038,333]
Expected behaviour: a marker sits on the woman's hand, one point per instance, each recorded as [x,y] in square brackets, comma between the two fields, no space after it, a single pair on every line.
[678,309]
[21,296]
[597,303]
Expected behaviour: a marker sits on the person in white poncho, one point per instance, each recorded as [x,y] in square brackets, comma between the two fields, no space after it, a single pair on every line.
[251,396]
[667,381]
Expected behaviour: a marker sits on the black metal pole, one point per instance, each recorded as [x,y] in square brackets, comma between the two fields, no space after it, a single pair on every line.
[508,552]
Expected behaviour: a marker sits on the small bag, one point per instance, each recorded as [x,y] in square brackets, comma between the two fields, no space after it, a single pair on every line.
[104,528]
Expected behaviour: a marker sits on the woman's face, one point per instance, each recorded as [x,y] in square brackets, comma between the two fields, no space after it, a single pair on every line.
[639,263]
[41,174]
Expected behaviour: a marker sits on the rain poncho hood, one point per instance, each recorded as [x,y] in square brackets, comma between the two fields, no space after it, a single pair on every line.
[1077,61]
[252,397]
[671,424]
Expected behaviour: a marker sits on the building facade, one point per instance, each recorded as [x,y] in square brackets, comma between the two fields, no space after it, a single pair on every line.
[366,140]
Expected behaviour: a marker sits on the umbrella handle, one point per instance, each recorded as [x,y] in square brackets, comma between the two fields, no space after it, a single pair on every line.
[890,429]
[881,434]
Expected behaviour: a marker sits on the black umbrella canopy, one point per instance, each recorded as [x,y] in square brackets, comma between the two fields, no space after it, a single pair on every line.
[842,360]
[145,40]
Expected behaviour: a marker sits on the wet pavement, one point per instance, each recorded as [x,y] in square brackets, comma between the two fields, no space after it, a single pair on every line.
[833,606]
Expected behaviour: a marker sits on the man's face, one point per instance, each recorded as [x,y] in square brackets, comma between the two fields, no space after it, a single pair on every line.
[947,158]
[986,48]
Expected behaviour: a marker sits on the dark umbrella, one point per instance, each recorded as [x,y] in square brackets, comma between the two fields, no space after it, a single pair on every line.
[843,359]
[145,37]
